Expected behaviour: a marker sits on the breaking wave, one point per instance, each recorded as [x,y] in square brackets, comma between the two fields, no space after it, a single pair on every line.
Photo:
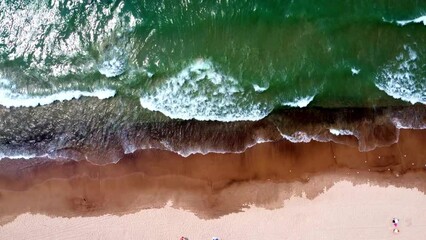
[36,33]
[202,92]
[9,98]
[403,78]
[300,102]
[421,19]
[113,63]
[339,132]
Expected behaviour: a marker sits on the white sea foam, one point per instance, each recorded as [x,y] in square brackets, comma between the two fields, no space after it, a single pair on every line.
[400,124]
[258,88]
[17,156]
[421,19]
[301,137]
[355,71]
[113,63]
[8,98]
[298,137]
[300,102]
[63,69]
[23,154]
[4,82]
[190,151]
[129,148]
[34,31]
[339,132]
[202,92]
[403,79]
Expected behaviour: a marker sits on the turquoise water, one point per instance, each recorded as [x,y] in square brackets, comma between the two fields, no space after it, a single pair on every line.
[214,60]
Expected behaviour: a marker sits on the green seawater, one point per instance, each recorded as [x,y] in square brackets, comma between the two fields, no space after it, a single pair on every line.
[216,60]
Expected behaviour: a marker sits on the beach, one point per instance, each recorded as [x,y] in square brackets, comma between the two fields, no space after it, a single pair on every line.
[343,211]
[236,119]
[329,183]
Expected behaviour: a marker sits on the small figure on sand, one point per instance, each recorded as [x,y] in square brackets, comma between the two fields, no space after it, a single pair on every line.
[395,222]
[183,238]
[215,238]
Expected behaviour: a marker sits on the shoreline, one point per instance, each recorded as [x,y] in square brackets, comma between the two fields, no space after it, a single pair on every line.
[207,185]
[103,134]
[276,120]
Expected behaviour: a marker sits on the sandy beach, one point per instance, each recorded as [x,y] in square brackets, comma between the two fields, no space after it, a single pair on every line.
[276,190]
[343,211]
[219,120]
[200,183]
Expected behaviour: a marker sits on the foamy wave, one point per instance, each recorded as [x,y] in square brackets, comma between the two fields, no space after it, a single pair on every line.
[413,123]
[298,137]
[200,150]
[339,132]
[421,19]
[258,88]
[203,93]
[28,156]
[113,63]
[300,102]
[17,156]
[403,79]
[355,71]
[35,31]
[8,98]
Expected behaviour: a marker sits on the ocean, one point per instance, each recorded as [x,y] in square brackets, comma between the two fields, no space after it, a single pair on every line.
[96,80]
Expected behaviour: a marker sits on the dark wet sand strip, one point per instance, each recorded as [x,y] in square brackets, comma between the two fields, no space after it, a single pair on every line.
[210,185]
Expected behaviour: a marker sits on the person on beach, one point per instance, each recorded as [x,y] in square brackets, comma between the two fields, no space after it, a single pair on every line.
[395,222]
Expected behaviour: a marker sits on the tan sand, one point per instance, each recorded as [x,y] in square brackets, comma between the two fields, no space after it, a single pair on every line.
[344,211]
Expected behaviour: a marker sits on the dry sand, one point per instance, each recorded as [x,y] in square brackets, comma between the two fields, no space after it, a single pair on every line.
[344,211]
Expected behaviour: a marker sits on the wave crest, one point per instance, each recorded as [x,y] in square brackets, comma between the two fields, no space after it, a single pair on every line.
[403,78]
[300,102]
[202,92]
[9,98]
[421,19]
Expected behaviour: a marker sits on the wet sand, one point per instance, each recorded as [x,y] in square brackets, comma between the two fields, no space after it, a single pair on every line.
[211,185]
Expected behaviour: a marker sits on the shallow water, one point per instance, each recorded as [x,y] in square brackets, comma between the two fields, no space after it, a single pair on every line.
[225,61]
